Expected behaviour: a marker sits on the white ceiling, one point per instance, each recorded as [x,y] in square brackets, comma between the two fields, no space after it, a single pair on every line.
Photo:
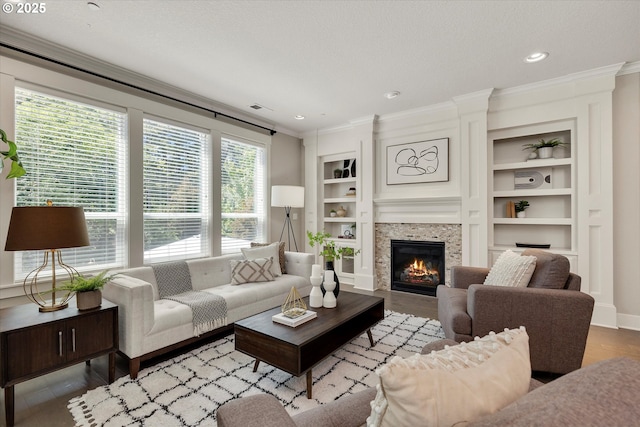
[332,61]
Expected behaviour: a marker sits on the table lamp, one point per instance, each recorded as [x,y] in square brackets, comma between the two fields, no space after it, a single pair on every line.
[49,228]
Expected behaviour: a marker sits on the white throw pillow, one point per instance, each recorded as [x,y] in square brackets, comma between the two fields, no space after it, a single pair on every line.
[248,271]
[269,251]
[453,386]
[512,270]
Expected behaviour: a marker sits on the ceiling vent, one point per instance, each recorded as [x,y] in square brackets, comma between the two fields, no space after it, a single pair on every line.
[257,106]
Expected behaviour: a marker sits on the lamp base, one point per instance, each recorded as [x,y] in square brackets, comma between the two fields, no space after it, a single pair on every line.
[49,308]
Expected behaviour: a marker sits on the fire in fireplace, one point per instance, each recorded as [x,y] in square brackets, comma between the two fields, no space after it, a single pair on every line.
[417,266]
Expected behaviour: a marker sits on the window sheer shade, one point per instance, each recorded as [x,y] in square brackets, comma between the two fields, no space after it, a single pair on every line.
[176,192]
[243,195]
[73,153]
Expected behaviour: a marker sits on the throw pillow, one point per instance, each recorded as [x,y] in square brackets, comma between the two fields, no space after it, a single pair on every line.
[256,270]
[270,251]
[453,386]
[280,253]
[512,270]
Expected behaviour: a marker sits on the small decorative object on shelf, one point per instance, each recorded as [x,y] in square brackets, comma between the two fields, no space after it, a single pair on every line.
[351,192]
[337,173]
[332,213]
[520,208]
[315,297]
[329,284]
[543,149]
[293,306]
[341,212]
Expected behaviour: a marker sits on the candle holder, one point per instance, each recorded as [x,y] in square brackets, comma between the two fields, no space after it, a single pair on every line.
[315,297]
[329,300]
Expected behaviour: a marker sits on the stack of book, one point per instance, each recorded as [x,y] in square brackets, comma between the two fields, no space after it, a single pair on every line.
[511,209]
[295,321]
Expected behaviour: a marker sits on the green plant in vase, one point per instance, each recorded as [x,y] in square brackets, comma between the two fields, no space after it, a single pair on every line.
[544,149]
[521,206]
[330,252]
[88,289]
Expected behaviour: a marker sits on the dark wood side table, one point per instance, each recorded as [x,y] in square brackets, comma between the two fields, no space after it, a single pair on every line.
[34,343]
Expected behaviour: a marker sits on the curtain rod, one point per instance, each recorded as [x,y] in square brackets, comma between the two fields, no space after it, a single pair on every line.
[149,91]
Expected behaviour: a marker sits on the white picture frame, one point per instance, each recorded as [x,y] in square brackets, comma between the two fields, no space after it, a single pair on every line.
[418,162]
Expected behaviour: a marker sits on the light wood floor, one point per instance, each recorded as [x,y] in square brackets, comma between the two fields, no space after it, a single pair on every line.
[43,401]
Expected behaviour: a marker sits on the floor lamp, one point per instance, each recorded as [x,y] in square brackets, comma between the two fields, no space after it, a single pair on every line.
[287,196]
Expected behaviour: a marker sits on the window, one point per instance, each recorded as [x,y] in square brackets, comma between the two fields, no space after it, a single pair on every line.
[243,195]
[176,192]
[74,155]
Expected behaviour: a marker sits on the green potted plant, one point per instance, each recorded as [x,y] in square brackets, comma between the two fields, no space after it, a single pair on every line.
[88,289]
[521,206]
[330,252]
[544,149]
[16,170]
[337,173]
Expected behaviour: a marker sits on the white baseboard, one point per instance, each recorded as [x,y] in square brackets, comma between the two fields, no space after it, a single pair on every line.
[629,321]
[605,315]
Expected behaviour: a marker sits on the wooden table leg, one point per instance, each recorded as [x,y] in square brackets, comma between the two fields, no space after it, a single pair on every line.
[255,365]
[112,367]
[309,383]
[9,404]
[370,337]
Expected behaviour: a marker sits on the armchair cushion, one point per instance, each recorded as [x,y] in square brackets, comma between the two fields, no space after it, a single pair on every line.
[552,270]
[487,374]
[511,269]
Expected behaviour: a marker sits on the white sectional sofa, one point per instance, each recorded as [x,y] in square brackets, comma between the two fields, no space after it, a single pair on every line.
[150,326]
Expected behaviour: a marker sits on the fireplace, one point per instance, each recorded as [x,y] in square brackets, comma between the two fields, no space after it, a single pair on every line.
[417,266]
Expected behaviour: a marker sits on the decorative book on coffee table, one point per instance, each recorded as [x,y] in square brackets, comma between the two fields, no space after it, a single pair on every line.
[295,321]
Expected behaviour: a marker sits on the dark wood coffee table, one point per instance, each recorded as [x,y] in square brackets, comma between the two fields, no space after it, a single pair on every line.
[297,350]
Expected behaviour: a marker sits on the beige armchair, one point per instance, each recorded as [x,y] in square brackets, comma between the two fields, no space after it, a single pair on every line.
[552,308]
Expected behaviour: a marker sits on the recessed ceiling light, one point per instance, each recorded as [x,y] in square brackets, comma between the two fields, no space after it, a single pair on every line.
[299,117]
[536,57]
[392,94]
[93,6]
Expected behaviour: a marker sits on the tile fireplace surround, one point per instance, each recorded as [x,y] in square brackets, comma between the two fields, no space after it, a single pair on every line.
[450,234]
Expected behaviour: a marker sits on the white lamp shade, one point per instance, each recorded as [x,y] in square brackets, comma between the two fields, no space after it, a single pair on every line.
[287,195]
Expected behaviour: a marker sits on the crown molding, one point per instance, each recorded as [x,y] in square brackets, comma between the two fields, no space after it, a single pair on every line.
[609,70]
[629,68]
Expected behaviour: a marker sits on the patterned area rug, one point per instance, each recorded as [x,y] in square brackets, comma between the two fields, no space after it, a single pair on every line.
[187,390]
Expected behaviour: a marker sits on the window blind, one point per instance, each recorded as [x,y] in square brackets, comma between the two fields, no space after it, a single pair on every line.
[176,192]
[243,195]
[74,155]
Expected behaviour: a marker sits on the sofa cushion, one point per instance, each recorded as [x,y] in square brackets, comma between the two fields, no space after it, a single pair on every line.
[453,386]
[552,270]
[281,257]
[511,269]
[246,271]
[270,251]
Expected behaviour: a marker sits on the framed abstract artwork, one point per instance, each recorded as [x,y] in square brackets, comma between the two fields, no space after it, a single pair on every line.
[418,162]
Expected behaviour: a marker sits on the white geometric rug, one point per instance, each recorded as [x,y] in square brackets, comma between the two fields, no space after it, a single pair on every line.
[187,390]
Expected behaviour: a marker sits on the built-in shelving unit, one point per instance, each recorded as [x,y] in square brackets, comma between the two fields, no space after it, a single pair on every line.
[549,185]
[340,193]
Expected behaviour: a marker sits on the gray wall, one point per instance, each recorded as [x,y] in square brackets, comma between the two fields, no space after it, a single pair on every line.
[287,168]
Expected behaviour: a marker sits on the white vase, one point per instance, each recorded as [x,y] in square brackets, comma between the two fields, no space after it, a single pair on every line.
[545,152]
[329,300]
[315,296]
[521,214]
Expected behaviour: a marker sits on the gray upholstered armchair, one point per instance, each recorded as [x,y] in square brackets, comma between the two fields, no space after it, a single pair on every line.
[552,308]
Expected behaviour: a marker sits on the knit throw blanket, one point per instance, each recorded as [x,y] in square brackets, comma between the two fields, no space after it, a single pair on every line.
[174,283]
